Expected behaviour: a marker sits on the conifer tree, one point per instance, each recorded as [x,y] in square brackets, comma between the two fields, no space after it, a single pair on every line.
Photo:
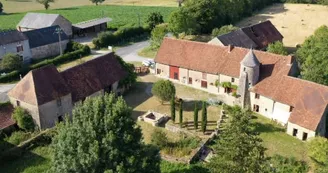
[181,114]
[204,117]
[196,116]
[173,109]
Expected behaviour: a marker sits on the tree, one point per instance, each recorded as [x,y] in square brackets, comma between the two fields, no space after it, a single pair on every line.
[181,21]
[277,48]
[101,137]
[239,148]
[157,36]
[181,114]
[173,109]
[312,57]
[159,138]
[204,117]
[154,18]
[223,30]
[1,7]
[11,61]
[318,152]
[280,164]
[196,116]
[23,119]
[97,1]
[45,3]
[164,90]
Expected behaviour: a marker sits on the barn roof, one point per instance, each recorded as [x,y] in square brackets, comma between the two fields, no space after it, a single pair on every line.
[37,20]
[5,115]
[8,37]
[44,36]
[237,38]
[91,23]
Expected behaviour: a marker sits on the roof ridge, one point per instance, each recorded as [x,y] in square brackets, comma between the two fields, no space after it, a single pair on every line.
[307,81]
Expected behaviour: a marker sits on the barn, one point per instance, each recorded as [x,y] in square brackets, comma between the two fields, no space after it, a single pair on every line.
[91,26]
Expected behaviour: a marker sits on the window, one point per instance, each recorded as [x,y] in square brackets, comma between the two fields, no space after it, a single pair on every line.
[204,84]
[204,76]
[232,79]
[227,90]
[244,68]
[295,132]
[190,81]
[59,102]
[17,103]
[305,135]
[257,96]
[176,76]
[19,48]
[158,71]
[291,108]
[256,108]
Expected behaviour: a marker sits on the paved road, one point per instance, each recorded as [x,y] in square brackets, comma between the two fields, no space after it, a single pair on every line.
[4,90]
[130,53]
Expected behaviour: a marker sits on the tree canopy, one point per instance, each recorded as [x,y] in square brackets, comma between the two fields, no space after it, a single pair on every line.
[157,36]
[45,3]
[11,61]
[164,90]
[97,1]
[24,119]
[1,7]
[277,48]
[313,57]
[239,148]
[223,30]
[101,137]
[154,18]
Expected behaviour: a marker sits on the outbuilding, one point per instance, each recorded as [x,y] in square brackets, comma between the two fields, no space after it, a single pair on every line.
[91,26]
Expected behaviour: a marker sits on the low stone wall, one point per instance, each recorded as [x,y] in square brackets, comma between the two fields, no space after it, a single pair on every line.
[175,129]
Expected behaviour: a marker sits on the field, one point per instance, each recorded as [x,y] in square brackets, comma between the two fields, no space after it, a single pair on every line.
[16,6]
[121,15]
[294,21]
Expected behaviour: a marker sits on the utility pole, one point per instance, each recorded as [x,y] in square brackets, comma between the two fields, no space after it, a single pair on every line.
[59,31]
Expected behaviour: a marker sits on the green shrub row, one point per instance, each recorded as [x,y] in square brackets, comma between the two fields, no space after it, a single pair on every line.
[67,57]
[107,38]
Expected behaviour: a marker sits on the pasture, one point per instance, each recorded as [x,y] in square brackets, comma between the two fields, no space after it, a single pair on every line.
[17,6]
[121,15]
[294,21]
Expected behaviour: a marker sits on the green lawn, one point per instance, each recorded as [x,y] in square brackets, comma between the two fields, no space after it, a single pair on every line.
[121,15]
[148,52]
[277,141]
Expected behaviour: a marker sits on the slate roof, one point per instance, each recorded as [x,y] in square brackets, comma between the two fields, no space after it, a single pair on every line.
[215,59]
[37,20]
[256,36]
[40,86]
[250,60]
[93,22]
[8,37]
[44,36]
[92,76]
[5,116]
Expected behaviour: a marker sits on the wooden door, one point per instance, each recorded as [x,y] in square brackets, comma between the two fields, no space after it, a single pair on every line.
[174,72]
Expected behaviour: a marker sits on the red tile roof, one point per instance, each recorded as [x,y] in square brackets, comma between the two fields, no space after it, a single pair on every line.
[5,116]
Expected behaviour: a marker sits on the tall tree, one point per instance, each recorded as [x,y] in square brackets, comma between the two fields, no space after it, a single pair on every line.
[1,7]
[173,109]
[239,148]
[277,48]
[313,57]
[204,117]
[97,1]
[45,3]
[157,36]
[181,114]
[101,137]
[181,21]
[154,18]
[196,116]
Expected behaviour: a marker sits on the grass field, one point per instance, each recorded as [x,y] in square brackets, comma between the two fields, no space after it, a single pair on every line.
[121,15]
[294,21]
[16,6]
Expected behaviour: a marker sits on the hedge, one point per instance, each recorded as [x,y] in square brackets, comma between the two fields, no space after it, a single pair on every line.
[15,75]
[107,38]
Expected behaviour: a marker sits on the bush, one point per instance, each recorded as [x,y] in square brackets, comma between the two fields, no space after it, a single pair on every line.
[11,61]
[159,138]
[157,36]
[73,46]
[164,90]
[1,8]
[223,30]
[18,137]
[154,19]
[277,48]
[23,119]
[281,164]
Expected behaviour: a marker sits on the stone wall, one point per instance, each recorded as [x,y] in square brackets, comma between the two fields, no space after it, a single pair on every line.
[12,48]
[48,50]
[32,109]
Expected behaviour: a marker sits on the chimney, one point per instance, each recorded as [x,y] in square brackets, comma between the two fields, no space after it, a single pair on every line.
[230,47]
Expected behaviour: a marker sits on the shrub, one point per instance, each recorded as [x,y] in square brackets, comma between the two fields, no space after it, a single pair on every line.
[173,109]
[154,19]
[159,138]
[11,61]
[18,137]
[157,36]
[277,48]
[73,46]
[223,30]
[1,8]
[281,164]
[23,119]
[164,90]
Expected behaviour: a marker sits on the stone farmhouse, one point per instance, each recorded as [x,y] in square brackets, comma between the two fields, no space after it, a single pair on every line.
[252,79]
[32,21]
[44,42]
[15,42]
[257,36]
[49,95]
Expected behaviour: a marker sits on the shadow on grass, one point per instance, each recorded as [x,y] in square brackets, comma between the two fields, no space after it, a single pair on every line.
[266,128]
[137,94]
[189,105]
